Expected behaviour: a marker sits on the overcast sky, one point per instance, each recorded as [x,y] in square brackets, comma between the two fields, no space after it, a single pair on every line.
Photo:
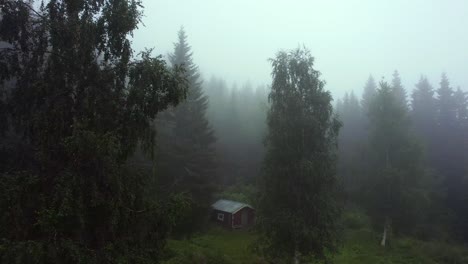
[349,39]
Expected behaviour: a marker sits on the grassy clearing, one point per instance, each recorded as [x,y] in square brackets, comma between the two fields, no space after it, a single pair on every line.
[362,246]
[218,246]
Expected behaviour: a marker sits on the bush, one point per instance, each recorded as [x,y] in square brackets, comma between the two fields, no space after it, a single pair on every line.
[240,193]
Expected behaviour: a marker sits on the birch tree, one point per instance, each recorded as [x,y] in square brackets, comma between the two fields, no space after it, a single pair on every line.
[298,205]
[77,106]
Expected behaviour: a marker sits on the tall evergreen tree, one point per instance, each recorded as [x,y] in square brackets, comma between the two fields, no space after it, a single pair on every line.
[350,142]
[423,112]
[446,114]
[78,106]
[238,118]
[396,165]
[190,158]
[398,90]
[339,107]
[450,156]
[445,140]
[298,208]
[368,94]
[461,106]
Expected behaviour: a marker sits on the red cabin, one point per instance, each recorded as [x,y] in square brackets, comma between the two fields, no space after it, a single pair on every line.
[233,214]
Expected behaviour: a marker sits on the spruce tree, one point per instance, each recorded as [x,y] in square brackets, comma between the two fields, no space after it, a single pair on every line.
[398,90]
[396,166]
[423,112]
[350,144]
[450,156]
[189,164]
[78,105]
[461,107]
[298,206]
[368,94]
[446,114]
[445,141]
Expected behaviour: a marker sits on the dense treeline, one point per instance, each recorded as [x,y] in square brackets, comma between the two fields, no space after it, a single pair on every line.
[85,175]
[421,140]
[238,116]
[106,154]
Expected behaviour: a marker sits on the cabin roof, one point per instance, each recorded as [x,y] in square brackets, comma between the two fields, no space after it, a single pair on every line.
[229,206]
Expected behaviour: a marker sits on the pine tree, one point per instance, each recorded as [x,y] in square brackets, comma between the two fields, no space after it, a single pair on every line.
[339,107]
[354,119]
[445,140]
[189,148]
[423,106]
[298,208]
[396,162]
[78,106]
[350,144]
[368,94]
[446,114]
[398,90]
[461,106]
[450,156]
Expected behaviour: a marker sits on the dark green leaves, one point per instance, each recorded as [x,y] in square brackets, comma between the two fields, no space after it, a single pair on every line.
[298,205]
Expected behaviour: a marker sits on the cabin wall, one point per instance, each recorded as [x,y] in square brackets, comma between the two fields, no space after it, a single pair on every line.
[237,217]
[227,220]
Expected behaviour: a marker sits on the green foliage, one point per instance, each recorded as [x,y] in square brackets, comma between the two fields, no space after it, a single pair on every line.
[360,246]
[187,161]
[79,104]
[241,193]
[298,205]
[395,194]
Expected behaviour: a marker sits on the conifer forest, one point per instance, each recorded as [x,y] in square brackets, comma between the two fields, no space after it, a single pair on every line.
[225,132]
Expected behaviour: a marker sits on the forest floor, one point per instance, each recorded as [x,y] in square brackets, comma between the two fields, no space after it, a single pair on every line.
[218,246]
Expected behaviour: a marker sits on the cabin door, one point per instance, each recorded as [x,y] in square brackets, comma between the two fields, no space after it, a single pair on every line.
[245,218]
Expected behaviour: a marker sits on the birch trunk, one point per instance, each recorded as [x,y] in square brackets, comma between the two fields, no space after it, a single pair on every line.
[387,220]
[384,237]
[296,257]
[385,232]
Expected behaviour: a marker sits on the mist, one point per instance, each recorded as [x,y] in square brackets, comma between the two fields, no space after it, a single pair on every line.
[233,131]
[349,39]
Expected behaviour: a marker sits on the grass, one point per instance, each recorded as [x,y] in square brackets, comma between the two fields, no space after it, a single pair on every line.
[359,246]
[218,245]
[362,246]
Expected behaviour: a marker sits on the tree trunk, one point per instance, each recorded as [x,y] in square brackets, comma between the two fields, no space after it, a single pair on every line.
[387,220]
[296,257]
[384,237]
[385,232]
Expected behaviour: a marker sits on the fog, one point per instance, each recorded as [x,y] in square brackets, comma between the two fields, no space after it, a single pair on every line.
[349,39]
[233,131]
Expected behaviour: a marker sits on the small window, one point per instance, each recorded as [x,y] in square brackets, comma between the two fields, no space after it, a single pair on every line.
[220,216]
